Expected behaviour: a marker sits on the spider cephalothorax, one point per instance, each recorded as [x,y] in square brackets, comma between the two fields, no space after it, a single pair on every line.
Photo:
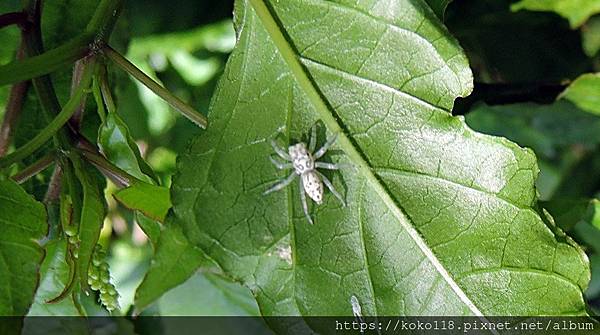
[305,165]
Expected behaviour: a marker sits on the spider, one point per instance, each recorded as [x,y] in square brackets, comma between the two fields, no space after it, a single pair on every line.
[305,165]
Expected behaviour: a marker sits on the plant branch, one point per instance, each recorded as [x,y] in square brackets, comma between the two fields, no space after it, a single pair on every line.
[108,169]
[14,106]
[78,71]
[8,19]
[35,168]
[39,64]
[54,126]
[47,62]
[105,90]
[54,188]
[32,36]
[162,92]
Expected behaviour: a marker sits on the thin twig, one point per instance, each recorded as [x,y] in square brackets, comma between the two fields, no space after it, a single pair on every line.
[119,177]
[35,168]
[155,87]
[77,117]
[105,89]
[54,188]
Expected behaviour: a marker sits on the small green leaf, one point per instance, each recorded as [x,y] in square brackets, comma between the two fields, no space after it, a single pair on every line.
[154,201]
[590,35]
[54,276]
[585,92]
[175,260]
[439,219]
[120,149]
[576,11]
[22,224]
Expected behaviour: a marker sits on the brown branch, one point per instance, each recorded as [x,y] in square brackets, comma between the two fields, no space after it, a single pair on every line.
[35,168]
[54,188]
[77,117]
[18,18]
[14,106]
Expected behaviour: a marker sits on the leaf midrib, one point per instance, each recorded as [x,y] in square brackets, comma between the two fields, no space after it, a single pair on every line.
[291,58]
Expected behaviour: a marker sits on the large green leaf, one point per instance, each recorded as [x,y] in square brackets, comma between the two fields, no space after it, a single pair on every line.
[585,92]
[576,11]
[22,224]
[439,218]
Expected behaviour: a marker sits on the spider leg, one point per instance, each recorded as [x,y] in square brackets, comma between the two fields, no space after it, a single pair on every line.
[303,200]
[325,147]
[312,143]
[331,188]
[280,151]
[281,184]
[279,165]
[331,166]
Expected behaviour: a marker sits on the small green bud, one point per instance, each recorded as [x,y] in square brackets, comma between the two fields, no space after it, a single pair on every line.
[105,277]
[105,297]
[95,285]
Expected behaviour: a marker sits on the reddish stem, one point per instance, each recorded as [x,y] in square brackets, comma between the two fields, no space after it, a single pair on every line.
[13,108]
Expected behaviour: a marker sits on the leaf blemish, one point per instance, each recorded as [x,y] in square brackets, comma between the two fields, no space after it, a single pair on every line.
[285,253]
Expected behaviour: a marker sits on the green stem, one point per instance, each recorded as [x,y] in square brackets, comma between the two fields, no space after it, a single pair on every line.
[98,99]
[105,90]
[96,33]
[35,168]
[162,92]
[47,62]
[104,19]
[54,126]
[32,37]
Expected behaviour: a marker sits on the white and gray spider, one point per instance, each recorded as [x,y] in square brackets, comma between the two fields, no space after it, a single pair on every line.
[305,165]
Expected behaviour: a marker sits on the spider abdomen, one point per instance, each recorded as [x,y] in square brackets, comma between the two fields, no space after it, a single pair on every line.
[313,186]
